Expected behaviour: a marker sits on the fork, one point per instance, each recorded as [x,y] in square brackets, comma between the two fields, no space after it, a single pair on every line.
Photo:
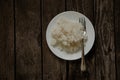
[83,64]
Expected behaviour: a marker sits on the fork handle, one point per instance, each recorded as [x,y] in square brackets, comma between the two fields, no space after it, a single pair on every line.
[83,64]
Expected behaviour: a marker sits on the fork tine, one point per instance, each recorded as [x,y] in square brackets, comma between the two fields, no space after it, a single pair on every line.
[84,24]
[81,21]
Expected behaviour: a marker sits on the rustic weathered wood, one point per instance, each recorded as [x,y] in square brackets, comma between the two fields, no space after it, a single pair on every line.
[28,40]
[86,7]
[6,40]
[53,67]
[117,35]
[34,60]
[105,47]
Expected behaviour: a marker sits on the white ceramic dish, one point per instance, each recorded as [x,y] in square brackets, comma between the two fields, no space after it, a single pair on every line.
[72,15]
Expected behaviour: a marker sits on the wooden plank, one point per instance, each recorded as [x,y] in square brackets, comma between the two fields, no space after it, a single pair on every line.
[6,40]
[28,40]
[53,67]
[105,47]
[117,34]
[87,8]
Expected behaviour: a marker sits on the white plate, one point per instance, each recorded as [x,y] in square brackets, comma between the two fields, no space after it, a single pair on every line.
[72,15]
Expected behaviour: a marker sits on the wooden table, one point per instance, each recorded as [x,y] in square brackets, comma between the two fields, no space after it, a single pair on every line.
[24,54]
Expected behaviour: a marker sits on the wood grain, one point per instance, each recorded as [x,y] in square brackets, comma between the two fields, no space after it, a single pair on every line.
[117,35]
[87,8]
[6,40]
[28,40]
[105,47]
[53,67]
[24,54]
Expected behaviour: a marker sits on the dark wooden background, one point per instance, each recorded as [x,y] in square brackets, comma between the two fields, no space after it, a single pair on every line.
[24,54]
